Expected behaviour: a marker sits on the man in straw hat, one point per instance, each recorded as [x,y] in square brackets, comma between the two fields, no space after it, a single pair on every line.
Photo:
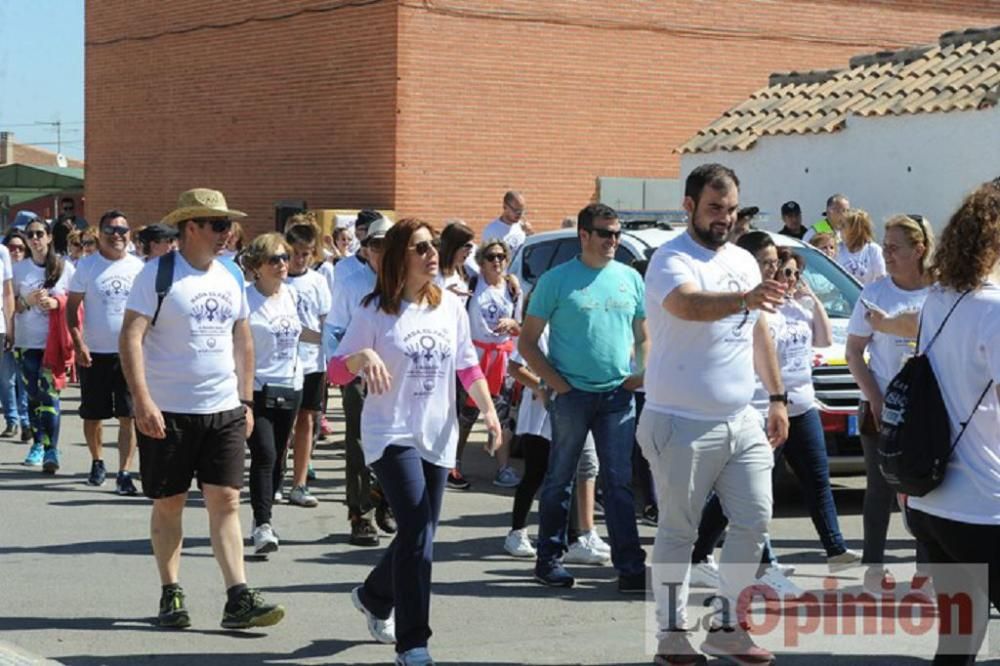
[188,356]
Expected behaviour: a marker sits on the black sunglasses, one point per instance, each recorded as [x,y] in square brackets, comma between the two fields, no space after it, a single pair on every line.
[497,256]
[115,231]
[423,247]
[605,233]
[220,225]
[37,233]
[89,243]
[16,247]
[791,272]
[276,259]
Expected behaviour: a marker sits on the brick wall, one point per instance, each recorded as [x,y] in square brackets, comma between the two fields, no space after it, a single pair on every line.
[435,107]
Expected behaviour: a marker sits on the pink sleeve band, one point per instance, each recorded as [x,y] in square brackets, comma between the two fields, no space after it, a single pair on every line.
[337,372]
[468,376]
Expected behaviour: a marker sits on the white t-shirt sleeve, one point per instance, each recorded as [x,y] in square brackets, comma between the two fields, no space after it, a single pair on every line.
[143,297]
[858,324]
[667,274]
[361,333]
[8,265]
[81,277]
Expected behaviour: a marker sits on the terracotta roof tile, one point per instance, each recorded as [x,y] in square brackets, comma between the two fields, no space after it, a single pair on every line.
[960,72]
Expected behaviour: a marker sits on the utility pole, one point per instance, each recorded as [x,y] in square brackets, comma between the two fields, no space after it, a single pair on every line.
[58,125]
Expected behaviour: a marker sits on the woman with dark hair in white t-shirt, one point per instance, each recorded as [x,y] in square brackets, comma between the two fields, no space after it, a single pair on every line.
[409,340]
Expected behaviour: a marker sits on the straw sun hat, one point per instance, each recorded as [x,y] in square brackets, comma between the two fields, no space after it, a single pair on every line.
[199,203]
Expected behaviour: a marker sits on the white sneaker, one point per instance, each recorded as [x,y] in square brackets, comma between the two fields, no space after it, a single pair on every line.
[582,553]
[278,496]
[264,539]
[705,574]
[507,478]
[782,586]
[383,631]
[787,569]
[415,657]
[846,560]
[301,496]
[518,544]
[594,541]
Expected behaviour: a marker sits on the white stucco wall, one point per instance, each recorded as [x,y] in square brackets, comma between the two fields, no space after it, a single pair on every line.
[923,163]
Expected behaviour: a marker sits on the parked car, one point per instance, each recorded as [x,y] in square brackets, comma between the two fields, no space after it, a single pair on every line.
[837,393]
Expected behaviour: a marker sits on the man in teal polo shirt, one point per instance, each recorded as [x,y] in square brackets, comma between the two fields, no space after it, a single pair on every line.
[593,306]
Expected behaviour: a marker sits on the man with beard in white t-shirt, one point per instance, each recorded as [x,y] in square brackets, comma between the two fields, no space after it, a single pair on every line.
[510,227]
[698,429]
[102,282]
[188,356]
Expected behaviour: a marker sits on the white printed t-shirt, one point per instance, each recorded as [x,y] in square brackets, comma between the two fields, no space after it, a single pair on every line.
[313,302]
[965,357]
[887,353]
[532,417]
[422,348]
[791,330]
[275,325]
[511,234]
[31,327]
[105,285]
[486,307]
[189,352]
[6,273]
[866,265]
[699,370]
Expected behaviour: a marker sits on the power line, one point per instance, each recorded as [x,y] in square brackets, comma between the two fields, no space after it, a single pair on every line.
[4,125]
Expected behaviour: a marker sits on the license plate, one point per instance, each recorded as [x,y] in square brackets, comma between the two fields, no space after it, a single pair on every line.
[852,425]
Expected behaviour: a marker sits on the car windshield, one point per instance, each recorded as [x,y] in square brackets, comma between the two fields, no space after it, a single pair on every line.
[837,291]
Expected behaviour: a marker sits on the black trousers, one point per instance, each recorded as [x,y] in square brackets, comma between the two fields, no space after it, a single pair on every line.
[536,461]
[272,429]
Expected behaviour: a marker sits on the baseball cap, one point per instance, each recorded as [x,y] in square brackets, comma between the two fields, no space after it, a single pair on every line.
[24,218]
[157,232]
[749,211]
[791,208]
[379,227]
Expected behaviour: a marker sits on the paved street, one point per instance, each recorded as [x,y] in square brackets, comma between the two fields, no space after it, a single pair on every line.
[79,584]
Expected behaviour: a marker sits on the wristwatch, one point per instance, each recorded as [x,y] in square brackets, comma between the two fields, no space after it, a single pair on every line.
[778,397]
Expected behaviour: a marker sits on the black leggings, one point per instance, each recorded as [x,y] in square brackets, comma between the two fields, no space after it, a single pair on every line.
[536,461]
[272,428]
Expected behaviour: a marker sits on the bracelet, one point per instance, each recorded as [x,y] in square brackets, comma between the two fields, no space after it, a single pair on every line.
[744,307]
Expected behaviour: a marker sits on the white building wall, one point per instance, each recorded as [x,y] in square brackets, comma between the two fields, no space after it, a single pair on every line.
[922,163]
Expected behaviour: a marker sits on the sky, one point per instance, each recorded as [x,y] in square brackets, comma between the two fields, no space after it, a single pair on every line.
[41,71]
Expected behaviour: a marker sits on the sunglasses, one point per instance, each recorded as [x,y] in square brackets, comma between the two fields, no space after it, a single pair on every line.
[490,258]
[33,235]
[606,233]
[89,243]
[220,225]
[276,259]
[792,273]
[16,247]
[115,231]
[423,247]
[376,244]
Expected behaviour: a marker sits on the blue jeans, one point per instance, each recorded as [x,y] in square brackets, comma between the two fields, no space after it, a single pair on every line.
[610,417]
[805,451]
[13,392]
[43,397]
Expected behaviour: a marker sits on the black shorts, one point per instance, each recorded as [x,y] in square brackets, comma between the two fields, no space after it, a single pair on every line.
[212,446]
[313,392]
[103,391]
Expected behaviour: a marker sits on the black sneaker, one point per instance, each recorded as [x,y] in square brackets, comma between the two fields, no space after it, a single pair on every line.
[456,481]
[124,485]
[632,583]
[9,431]
[97,473]
[173,613]
[553,574]
[651,515]
[384,518]
[363,533]
[251,611]
[26,435]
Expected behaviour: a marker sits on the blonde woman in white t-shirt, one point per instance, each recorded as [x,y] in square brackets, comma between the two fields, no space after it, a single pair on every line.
[858,253]
[410,340]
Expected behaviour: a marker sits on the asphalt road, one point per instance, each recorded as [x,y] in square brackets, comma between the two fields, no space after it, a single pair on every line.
[79,585]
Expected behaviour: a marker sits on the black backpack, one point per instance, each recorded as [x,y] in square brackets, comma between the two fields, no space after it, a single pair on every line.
[915,438]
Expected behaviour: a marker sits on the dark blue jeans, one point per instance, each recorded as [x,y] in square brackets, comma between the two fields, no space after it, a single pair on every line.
[805,451]
[402,578]
[610,416]
[13,392]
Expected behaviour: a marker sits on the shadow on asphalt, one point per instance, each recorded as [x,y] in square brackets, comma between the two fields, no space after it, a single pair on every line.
[111,624]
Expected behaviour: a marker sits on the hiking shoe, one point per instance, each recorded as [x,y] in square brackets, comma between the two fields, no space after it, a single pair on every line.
[35,455]
[173,614]
[310,473]
[251,611]
[98,473]
[676,648]
[9,431]
[735,645]
[383,631]
[582,552]
[705,574]
[456,481]
[418,656]
[124,485]
[385,519]
[363,533]
[651,515]
[506,478]
[264,539]
[632,583]
[50,461]
[782,586]
[518,544]
[553,574]
[26,434]
[300,496]
[846,560]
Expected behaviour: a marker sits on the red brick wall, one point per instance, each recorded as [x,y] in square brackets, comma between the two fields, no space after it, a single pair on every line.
[299,108]
[436,107]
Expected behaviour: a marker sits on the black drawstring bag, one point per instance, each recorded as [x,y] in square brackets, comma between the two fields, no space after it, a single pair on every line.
[915,438]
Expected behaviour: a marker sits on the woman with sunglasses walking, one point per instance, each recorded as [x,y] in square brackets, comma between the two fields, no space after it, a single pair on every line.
[13,392]
[41,285]
[410,341]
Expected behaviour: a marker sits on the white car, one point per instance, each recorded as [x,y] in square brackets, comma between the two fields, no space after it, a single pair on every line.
[837,393]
